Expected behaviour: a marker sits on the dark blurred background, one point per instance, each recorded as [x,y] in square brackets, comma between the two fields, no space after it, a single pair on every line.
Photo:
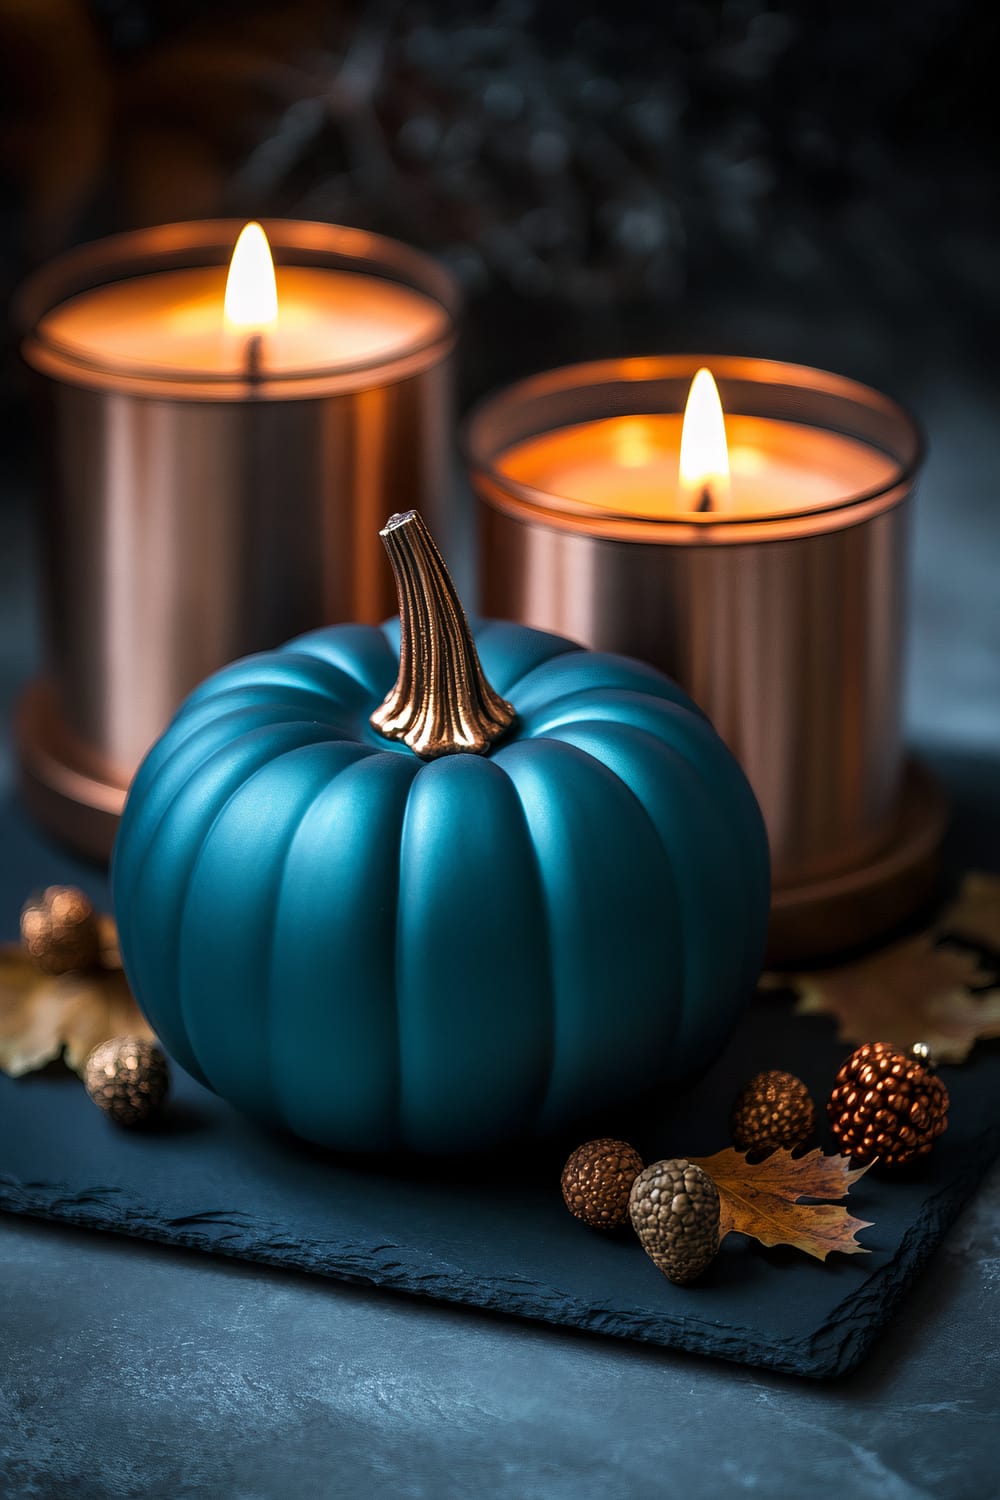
[789,178]
[814,182]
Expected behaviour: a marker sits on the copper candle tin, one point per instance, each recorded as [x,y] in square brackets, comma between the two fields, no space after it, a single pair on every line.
[788,630]
[186,521]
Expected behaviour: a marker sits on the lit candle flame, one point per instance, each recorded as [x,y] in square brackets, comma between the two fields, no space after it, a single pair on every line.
[703,473]
[251,294]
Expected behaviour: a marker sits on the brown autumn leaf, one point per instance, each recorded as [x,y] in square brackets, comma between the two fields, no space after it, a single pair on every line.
[43,1017]
[912,991]
[974,915]
[761,1199]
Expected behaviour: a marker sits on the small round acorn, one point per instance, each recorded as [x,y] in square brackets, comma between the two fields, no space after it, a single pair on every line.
[59,930]
[774,1109]
[128,1078]
[597,1179]
[675,1211]
[887,1105]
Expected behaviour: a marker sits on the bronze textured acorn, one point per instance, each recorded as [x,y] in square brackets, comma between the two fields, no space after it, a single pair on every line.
[128,1078]
[675,1210]
[774,1109]
[888,1105]
[59,930]
[597,1180]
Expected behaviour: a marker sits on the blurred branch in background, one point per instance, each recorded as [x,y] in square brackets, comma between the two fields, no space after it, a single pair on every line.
[587,156]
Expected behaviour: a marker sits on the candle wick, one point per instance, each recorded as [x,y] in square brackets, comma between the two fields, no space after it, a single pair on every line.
[704,500]
[252,358]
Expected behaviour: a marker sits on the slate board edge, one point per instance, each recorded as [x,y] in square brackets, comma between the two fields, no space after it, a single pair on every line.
[835,1349]
[115,1211]
[849,1333]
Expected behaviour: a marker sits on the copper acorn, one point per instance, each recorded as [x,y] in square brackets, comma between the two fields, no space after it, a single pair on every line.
[675,1210]
[59,930]
[774,1109]
[888,1105]
[597,1180]
[128,1078]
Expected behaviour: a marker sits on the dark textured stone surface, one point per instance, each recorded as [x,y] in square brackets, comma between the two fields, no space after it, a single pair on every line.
[136,1371]
[492,1235]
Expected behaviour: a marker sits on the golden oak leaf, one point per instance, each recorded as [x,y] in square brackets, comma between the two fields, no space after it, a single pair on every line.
[975,913]
[44,1017]
[909,992]
[761,1199]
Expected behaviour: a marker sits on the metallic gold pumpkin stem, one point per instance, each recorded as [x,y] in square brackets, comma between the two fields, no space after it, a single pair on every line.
[442,703]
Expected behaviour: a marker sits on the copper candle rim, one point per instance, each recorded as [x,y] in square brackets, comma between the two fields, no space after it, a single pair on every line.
[608,388]
[209,242]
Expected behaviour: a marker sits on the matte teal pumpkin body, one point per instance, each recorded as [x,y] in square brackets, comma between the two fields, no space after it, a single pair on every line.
[384,953]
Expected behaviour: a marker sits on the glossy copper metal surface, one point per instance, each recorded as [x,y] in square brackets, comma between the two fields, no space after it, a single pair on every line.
[183,524]
[60,784]
[788,631]
[821,918]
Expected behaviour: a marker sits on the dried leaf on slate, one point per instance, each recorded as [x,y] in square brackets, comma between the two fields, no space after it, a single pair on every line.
[43,1017]
[761,1199]
[910,992]
[974,915]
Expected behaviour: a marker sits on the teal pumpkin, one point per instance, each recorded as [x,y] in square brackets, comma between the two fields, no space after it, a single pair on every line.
[380,952]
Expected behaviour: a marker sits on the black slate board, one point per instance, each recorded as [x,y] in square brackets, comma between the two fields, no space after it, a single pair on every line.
[494,1235]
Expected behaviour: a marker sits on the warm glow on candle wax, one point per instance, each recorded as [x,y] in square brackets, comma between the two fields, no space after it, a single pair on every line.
[703,469]
[657,464]
[199,322]
[251,300]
